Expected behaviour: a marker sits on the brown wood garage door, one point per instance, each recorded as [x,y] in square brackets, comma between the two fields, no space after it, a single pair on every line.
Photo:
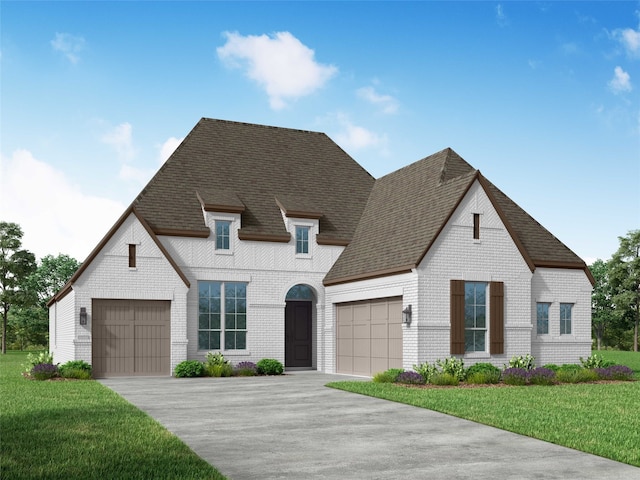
[130,337]
[369,336]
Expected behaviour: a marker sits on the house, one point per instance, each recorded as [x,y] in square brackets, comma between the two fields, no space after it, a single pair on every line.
[264,242]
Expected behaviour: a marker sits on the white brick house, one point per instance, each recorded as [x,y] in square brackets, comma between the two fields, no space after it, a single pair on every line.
[265,242]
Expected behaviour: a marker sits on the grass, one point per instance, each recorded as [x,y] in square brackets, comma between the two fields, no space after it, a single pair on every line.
[602,419]
[81,429]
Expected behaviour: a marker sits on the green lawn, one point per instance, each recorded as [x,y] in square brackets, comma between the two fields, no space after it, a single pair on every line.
[81,429]
[603,419]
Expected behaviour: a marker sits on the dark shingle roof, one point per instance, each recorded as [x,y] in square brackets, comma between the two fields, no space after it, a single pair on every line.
[239,165]
[408,208]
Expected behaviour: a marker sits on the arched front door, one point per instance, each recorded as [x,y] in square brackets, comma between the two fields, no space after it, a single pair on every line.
[298,327]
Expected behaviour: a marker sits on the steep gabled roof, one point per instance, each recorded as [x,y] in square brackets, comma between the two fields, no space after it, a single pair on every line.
[407,210]
[256,169]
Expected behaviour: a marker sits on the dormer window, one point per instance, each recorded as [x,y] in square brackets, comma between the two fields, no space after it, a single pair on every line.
[222,234]
[302,240]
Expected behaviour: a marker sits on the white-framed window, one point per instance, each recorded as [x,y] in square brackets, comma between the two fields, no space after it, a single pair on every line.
[222,315]
[565,318]
[475,317]
[542,318]
[302,240]
[223,236]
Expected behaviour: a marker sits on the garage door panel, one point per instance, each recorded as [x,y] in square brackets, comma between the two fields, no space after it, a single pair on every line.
[375,336]
[131,337]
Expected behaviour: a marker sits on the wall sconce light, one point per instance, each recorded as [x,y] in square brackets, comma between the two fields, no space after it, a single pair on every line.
[406,315]
[83,316]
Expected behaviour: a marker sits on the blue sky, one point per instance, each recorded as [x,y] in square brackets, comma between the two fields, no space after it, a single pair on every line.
[541,97]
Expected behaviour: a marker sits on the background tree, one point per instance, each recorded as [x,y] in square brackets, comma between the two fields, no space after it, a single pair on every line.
[50,276]
[601,308]
[16,265]
[624,277]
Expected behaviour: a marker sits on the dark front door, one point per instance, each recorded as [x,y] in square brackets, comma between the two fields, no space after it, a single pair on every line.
[297,331]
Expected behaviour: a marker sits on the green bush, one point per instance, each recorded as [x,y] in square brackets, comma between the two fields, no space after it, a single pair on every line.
[388,376]
[592,361]
[189,368]
[482,368]
[72,368]
[572,375]
[269,366]
[452,366]
[216,358]
[552,366]
[39,358]
[443,378]
[225,370]
[570,367]
[427,371]
[481,378]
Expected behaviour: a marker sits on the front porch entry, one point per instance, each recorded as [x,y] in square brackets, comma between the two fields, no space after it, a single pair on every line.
[298,328]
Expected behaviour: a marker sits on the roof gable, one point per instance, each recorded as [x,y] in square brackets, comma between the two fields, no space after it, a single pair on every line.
[252,167]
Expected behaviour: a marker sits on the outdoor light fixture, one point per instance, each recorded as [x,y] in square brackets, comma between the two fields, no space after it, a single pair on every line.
[83,316]
[406,315]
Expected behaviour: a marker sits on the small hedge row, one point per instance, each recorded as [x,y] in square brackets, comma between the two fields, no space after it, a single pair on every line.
[520,371]
[215,365]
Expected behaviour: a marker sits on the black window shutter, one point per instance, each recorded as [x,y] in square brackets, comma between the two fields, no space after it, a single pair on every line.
[496,316]
[457,317]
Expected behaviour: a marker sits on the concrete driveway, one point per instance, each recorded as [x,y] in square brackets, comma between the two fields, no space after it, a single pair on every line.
[293,427]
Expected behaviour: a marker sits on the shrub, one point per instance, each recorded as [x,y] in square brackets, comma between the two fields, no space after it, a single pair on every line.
[246,369]
[573,375]
[427,371]
[216,359]
[34,359]
[614,372]
[72,369]
[443,378]
[592,361]
[225,370]
[568,367]
[481,378]
[269,366]
[44,371]
[388,376]
[514,376]
[189,368]
[522,361]
[552,366]
[453,366]
[482,368]
[541,376]
[410,378]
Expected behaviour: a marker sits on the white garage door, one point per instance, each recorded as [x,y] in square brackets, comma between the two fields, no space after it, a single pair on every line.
[369,336]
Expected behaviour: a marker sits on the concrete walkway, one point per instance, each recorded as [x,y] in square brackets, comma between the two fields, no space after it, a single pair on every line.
[292,427]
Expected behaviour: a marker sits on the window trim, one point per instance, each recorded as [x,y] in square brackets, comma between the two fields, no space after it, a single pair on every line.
[306,241]
[223,314]
[217,237]
[538,319]
[566,321]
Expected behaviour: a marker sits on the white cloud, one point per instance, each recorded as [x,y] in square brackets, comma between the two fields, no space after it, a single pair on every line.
[354,137]
[121,139]
[387,103]
[69,45]
[55,215]
[133,174]
[168,147]
[501,17]
[629,39]
[621,81]
[280,63]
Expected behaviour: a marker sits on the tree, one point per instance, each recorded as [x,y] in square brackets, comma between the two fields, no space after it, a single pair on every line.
[624,276]
[601,308]
[50,276]
[16,265]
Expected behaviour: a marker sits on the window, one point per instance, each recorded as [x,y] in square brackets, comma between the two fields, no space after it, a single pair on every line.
[222,315]
[542,318]
[132,255]
[476,226]
[565,318]
[222,234]
[475,316]
[302,239]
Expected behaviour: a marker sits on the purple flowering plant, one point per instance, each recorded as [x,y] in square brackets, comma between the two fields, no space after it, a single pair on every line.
[410,378]
[541,376]
[246,369]
[615,372]
[44,371]
[515,376]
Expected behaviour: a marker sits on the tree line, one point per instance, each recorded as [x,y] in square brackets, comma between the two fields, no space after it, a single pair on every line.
[26,286]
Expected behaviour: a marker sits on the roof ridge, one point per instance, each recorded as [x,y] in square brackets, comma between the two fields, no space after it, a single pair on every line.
[260,125]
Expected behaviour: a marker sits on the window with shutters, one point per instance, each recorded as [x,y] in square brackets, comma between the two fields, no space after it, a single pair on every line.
[471,303]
